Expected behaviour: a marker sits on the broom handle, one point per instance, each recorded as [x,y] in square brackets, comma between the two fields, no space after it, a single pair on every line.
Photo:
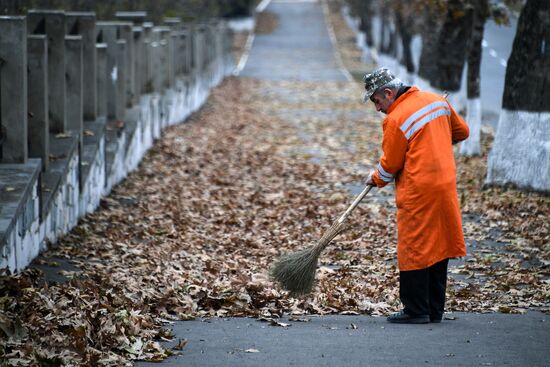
[355,203]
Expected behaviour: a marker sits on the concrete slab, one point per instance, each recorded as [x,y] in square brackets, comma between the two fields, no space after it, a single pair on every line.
[16,183]
[93,132]
[468,340]
[113,132]
[62,149]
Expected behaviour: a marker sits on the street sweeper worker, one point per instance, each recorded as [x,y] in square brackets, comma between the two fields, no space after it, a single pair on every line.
[419,130]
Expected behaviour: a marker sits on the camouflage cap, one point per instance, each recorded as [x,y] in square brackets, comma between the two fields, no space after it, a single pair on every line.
[375,80]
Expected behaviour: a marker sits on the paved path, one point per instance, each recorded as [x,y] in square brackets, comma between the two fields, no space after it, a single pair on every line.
[469,340]
[300,49]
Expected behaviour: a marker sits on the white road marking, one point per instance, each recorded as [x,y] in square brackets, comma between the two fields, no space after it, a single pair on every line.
[246,53]
[261,6]
[249,41]
[493,53]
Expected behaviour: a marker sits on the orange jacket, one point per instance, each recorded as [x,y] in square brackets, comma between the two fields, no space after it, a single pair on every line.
[418,134]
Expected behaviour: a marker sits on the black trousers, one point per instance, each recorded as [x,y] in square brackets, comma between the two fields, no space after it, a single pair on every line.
[422,291]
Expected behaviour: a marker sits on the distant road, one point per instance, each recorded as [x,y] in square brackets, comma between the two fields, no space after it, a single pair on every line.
[497,46]
[298,49]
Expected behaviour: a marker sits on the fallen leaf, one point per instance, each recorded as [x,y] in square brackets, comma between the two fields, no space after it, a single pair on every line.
[181,344]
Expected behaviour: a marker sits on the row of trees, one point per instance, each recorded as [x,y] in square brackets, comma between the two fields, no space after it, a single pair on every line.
[452,32]
[156,10]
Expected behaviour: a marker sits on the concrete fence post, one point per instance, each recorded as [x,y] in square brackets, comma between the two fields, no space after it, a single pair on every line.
[174,25]
[175,60]
[136,17]
[167,66]
[179,53]
[121,83]
[83,23]
[161,35]
[198,50]
[126,33]
[73,74]
[107,34]
[37,98]
[210,42]
[187,51]
[102,79]
[52,24]
[13,89]
[173,22]
[134,51]
[148,82]
[139,61]
[156,79]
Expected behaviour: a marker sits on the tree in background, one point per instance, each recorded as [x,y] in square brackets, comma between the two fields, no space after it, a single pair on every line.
[480,13]
[365,11]
[451,33]
[388,32]
[521,150]
[430,26]
[404,21]
[451,46]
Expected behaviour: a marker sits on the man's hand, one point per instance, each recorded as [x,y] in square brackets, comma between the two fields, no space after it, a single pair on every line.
[370,180]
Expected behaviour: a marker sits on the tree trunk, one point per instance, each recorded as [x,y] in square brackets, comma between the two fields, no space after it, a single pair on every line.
[521,149]
[452,46]
[368,55]
[471,146]
[384,31]
[430,29]
[404,26]
[527,83]
[392,44]
[366,26]
[363,9]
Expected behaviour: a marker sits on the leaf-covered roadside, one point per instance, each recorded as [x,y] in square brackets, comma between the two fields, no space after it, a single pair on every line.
[510,223]
[263,168]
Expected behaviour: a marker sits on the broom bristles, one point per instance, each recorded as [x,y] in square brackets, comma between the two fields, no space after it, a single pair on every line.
[295,271]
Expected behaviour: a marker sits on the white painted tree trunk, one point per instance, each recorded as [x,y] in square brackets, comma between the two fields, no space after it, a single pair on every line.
[369,55]
[521,151]
[471,146]
[360,40]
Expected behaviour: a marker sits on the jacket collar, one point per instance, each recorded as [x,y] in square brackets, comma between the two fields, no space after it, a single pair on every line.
[402,97]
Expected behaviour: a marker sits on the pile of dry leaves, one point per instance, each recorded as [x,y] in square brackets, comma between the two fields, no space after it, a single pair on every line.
[193,231]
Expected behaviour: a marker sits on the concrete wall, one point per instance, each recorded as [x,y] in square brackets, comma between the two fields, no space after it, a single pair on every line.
[120,88]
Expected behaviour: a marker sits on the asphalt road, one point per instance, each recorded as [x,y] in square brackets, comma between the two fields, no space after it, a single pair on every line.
[468,340]
[497,46]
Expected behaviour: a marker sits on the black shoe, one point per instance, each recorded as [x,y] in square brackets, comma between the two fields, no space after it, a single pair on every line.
[402,318]
[436,319]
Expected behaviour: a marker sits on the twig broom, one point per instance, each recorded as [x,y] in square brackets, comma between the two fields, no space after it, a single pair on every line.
[295,271]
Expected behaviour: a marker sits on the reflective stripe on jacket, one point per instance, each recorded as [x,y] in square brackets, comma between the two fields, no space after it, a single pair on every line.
[417,144]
